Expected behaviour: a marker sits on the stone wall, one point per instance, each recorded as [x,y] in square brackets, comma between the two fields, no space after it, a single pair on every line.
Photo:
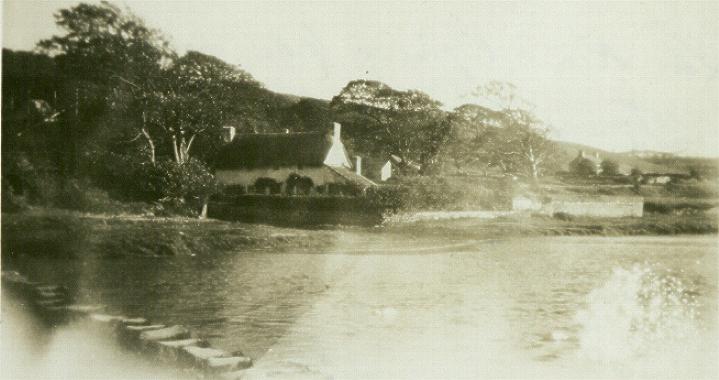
[595,206]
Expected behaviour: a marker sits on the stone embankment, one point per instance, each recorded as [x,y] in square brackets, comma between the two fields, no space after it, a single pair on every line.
[175,345]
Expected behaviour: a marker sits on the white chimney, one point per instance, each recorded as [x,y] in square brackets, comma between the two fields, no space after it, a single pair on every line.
[228,133]
[337,132]
[358,165]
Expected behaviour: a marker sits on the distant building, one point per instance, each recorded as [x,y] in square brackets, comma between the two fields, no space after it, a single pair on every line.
[288,163]
[382,170]
[586,164]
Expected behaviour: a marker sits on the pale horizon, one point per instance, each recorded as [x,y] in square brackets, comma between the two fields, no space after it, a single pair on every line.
[616,76]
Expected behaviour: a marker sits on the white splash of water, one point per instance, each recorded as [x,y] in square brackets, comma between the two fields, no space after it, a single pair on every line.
[638,312]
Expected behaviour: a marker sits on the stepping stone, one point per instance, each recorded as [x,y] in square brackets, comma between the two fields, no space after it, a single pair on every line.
[140,329]
[172,349]
[83,309]
[197,356]
[130,334]
[228,364]
[169,333]
[105,318]
[49,293]
[134,321]
[51,302]
[13,276]
[48,288]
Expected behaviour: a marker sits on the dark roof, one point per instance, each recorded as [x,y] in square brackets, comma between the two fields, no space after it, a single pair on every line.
[266,150]
[350,176]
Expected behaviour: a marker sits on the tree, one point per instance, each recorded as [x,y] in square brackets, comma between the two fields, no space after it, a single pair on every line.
[583,167]
[193,100]
[107,59]
[521,146]
[381,120]
[609,168]
[471,129]
[518,141]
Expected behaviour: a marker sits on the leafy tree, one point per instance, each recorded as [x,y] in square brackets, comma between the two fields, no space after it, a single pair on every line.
[521,147]
[518,144]
[609,168]
[472,127]
[308,115]
[193,101]
[381,120]
[103,41]
[102,47]
[583,167]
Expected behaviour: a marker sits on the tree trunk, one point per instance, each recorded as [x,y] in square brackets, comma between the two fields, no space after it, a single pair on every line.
[203,212]
[175,150]
[150,143]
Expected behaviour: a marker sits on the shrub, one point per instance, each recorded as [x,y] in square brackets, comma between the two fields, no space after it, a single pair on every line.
[609,168]
[583,167]
[416,193]
[180,188]
[563,216]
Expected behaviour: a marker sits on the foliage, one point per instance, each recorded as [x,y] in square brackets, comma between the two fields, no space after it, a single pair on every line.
[381,121]
[521,147]
[267,185]
[509,138]
[415,194]
[583,167]
[191,101]
[472,127]
[188,185]
[609,168]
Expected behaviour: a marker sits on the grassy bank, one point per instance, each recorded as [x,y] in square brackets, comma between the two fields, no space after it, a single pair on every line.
[58,233]
[65,234]
[655,224]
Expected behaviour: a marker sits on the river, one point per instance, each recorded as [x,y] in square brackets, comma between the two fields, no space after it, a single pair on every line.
[388,306]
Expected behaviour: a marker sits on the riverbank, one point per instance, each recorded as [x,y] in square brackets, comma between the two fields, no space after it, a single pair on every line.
[560,225]
[65,234]
[60,233]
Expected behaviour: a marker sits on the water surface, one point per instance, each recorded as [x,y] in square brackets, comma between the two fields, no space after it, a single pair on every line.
[386,306]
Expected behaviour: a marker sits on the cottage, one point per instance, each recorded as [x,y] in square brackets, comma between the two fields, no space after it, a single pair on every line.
[288,163]
[584,162]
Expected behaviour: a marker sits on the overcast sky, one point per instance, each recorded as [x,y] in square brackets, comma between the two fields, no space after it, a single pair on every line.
[618,76]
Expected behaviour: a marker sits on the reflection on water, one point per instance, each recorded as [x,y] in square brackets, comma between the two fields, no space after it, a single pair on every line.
[381,306]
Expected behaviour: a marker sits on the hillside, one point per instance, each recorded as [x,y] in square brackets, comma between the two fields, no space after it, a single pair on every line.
[567,151]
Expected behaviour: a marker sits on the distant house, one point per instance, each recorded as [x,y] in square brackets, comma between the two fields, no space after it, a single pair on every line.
[382,170]
[288,163]
[586,164]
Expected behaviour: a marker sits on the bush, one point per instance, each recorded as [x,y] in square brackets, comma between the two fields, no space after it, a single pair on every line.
[176,188]
[675,206]
[583,167]
[563,216]
[416,193]
[609,168]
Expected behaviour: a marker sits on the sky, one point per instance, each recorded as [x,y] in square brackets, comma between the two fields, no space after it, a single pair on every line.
[617,76]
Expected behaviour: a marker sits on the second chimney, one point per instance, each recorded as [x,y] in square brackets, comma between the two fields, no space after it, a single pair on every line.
[358,165]
[337,132]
